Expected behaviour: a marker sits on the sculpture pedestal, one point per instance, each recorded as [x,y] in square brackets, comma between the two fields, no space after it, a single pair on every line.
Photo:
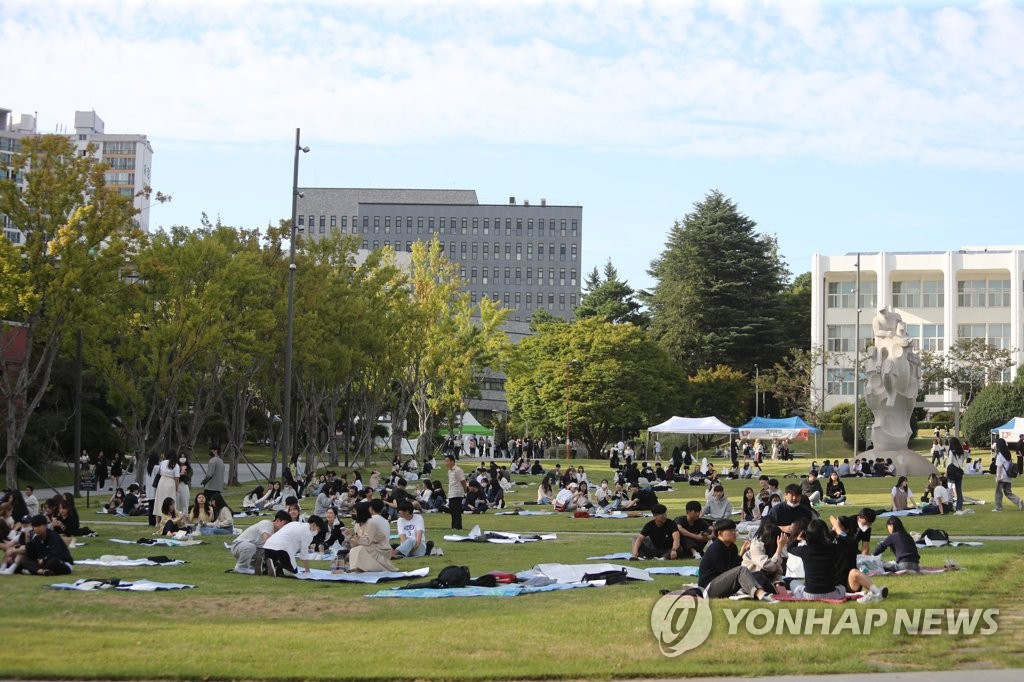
[908,462]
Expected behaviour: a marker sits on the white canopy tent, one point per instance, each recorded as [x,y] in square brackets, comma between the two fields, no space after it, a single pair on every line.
[1010,431]
[700,426]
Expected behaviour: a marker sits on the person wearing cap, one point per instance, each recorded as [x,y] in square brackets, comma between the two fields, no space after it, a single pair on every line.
[456,490]
[564,499]
[44,554]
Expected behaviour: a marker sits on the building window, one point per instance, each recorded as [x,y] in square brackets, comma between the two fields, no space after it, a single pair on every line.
[519,299]
[302,221]
[561,277]
[551,252]
[476,226]
[998,293]
[529,227]
[487,226]
[408,224]
[366,245]
[323,224]
[519,227]
[840,294]
[483,279]
[868,294]
[472,275]
[508,227]
[840,382]
[451,249]
[573,252]
[408,247]
[551,277]
[572,301]
[529,300]
[971,331]
[970,293]
[504,298]
[575,227]
[334,221]
[540,251]
[540,227]
[508,276]
[933,337]
[487,247]
[508,251]
[842,337]
[475,247]
[561,252]
[561,227]
[906,294]
[572,277]
[529,275]
[932,295]
[344,223]
[519,251]
[519,275]
[494,280]
[529,251]
[561,301]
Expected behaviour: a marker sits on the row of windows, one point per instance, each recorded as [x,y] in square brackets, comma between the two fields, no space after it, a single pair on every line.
[483,251]
[923,293]
[120,147]
[493,276]
[468,226]
[119,178]
[928,337]
[995,334]
[121,162]
[839,381]
[515,299]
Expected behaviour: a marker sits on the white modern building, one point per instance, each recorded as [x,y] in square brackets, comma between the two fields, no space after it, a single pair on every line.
[942,296]
[129,156]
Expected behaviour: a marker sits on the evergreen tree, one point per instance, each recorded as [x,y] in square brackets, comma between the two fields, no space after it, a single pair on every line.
[718,294]
[610,299]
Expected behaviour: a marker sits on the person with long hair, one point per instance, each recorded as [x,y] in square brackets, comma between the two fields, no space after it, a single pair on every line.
[223,521]
[250,501]
[200,512]
[1003,480]
[766,552]
[750,509]
[955,470]
[168,484]
[371,549]
[171,520]
[901,494]
[835,490]
[902,545]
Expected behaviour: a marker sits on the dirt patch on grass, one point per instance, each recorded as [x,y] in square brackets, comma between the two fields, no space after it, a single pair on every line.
[264,608]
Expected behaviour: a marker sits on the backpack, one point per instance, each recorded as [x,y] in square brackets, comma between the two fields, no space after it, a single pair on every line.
[934,537]
[452,576]
[1012,470]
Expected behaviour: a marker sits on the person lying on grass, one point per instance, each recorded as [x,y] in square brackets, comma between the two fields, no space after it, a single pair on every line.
[659,538]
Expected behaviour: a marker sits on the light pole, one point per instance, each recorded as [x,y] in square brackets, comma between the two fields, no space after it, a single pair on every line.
[757,390]
[286,436]
[568,404]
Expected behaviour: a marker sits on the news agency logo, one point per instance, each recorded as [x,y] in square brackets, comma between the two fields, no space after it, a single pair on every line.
[680,623]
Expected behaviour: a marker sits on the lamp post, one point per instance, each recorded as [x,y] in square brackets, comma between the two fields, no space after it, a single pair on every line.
[286,436]
[568,404]
[757,390]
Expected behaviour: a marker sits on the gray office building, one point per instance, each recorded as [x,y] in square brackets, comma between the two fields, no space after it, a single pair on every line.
[525,255]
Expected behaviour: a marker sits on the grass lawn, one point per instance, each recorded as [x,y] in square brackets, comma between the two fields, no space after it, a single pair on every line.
[242,627]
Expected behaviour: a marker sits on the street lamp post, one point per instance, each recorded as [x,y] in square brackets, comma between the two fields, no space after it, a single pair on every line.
[568,404]
[286,422]
[757,390]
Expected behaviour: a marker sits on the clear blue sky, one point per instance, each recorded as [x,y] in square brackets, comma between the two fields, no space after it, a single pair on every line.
[836,126]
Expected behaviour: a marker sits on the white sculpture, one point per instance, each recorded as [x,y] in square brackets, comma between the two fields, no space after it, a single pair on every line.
[893,380]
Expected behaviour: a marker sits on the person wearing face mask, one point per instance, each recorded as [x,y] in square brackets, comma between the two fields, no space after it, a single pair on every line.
[785,513]
[862,523]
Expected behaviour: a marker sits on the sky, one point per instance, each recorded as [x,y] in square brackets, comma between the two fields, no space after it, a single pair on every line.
[837,127]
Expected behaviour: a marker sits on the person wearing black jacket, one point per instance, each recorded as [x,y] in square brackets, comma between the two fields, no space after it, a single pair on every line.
[721,574]
[45,552]
[902,545]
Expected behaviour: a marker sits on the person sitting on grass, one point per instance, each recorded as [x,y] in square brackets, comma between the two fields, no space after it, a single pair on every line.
[902,495]
[563,501]
[412,533]
[171,520]
[721,573]
[902,545]
[940,501]
[718,505]
[810,487]
[133,504]
[116,501]
[659,538]
[371,549]
[835,491]
[785,513]
[694,532]
[290,541]
[640,499]
[766,552]
[45,553]
[826,558]
[201,512]
[475,502]
[848,530]
[223,519]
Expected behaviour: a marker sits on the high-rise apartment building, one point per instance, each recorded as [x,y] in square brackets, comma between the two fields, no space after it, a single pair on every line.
[942,296]
[130,157]
[526,256]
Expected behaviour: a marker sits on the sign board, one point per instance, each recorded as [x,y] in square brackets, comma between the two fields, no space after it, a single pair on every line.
[87,480]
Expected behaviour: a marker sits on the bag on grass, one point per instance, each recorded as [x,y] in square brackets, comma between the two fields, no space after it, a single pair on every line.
[934,537]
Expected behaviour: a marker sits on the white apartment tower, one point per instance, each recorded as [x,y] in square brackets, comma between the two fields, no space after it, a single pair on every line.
[942,296]
[130,157]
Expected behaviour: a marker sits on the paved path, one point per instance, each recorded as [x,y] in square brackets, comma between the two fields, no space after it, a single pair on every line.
[1008,675]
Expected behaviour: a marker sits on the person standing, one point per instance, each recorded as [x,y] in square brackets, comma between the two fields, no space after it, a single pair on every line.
[456,490]
[1003,480]
[955,470]
[214,480]
[168,483]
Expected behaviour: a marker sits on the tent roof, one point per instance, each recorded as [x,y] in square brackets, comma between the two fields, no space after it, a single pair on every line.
[707,425]
[1016,425]
[787,423]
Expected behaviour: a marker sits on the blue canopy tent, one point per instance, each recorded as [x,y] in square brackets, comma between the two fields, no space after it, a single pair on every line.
[790,428]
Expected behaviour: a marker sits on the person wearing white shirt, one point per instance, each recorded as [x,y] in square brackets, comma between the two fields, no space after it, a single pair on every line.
[941,498]
[291,541]
[252,539]
[31,502]
[411,533]
[563,500]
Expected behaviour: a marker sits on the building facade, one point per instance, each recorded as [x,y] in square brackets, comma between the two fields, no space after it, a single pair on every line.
[942,296]
[522,255]
[130,157]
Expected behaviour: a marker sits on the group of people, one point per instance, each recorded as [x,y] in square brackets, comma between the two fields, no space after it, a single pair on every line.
[35,536]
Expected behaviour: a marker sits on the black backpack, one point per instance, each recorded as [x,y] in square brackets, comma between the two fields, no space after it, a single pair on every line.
[452,576]
[935,535]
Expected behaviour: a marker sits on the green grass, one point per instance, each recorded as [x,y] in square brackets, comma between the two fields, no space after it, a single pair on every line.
[242,627]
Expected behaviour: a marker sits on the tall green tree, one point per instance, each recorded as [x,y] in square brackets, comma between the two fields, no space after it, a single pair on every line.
[597,376]
[77,235]
[718,290]
[611,299]
[721,392]
[795,314]
[994,405]
[967,367]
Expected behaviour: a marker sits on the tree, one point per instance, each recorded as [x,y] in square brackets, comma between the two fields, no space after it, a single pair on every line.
[721,392]
[967,367]
[992,406]
[610,299]
[718,292]
[77,234]
[541,317]
[598,375]
[790,382]
[795,314]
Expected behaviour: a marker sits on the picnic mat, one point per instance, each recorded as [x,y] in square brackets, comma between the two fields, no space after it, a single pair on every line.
[692,571]
[523,512]
[786,596]
[116,584]
[163,542]
[370,578]
[513,590]
[574,573]
[124,562]
[498,537]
